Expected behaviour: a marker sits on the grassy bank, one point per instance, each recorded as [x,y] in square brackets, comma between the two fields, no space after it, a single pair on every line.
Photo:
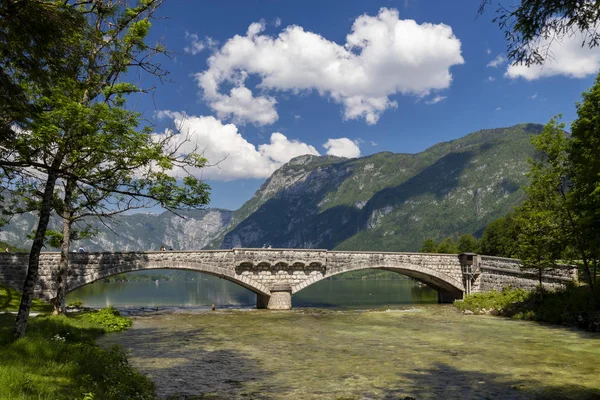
[573,306]
[10,300]
[58,358]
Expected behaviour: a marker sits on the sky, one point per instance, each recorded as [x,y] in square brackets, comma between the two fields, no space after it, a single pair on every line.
[256,83]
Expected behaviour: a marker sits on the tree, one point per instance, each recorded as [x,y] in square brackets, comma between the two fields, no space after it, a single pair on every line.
[468,243]
[429,246]
[86,139]
[447,246]
[501,237]
[524,25]
[544,229]
[583,170]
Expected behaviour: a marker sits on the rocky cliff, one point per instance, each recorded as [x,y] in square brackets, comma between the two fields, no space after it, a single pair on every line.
[142,231]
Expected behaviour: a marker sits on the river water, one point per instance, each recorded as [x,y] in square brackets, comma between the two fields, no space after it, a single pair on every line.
[207,290]
[344,340]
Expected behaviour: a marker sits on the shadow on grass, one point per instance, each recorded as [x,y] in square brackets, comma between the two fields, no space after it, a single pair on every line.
[58,359]
[10,299]
[445,381]
[191,364]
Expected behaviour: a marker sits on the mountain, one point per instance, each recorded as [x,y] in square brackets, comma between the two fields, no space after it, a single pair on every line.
[386,201]
[134,232]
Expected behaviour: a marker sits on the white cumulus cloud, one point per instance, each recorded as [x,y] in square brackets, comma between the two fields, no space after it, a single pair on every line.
[566,57]
[195,44]
[496,62]
[435,100]
[342,147]
[383,56]
[235,157]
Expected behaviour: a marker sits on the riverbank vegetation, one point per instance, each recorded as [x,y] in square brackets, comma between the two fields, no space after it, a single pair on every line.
[573,306]
[558,223]
[59,359]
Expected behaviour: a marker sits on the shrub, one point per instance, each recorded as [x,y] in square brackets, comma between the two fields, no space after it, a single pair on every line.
[109,318]
[77,303]
[572,306]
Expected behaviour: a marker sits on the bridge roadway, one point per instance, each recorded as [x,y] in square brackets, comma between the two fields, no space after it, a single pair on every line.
[276,274]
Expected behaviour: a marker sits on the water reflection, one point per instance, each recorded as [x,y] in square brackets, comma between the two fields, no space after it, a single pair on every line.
[208,290]
[364,293]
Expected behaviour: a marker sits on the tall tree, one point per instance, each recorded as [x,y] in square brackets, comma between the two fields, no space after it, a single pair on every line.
[84,132]
[501,237]
[532,20]
[447,246]
[468,243]
[584,175]
[429,246]
[543,219]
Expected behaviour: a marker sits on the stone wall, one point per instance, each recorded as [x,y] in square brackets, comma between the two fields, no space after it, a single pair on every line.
[497,273]
[271,267]
[275,274]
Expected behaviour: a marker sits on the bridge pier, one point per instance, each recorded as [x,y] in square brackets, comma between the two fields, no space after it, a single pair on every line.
[280,298]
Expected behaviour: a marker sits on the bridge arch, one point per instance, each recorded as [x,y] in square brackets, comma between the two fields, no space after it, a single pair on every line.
[79,278]
[449,287]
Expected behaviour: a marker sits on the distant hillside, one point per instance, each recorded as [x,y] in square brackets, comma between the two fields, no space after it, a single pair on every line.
[387,202]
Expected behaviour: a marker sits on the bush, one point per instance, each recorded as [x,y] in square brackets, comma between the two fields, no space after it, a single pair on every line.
[109,318]
[572,306]
[77,303]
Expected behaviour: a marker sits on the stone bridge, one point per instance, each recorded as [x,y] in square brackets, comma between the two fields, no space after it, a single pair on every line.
[276,274]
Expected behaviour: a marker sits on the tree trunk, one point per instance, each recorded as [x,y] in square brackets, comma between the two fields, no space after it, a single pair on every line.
[63,269]
[34,256]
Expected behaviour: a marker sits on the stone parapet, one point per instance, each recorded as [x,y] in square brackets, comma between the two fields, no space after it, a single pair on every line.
[275,274]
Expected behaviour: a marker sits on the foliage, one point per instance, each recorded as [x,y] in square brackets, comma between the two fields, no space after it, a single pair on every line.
[11,248]
[500,237]
[109,318]
[77,303]
[543,218]
[91,153]
[492,301]
[447,246]
[58,359]
[429,246]
[571,306]
[533,20]
[467,243]
[584,174]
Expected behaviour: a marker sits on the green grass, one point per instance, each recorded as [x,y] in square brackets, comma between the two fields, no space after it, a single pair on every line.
[10,300]
[58,358]
[572,306]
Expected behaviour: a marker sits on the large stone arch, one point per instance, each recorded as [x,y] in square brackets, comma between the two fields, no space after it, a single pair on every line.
[83,275]
[430,277]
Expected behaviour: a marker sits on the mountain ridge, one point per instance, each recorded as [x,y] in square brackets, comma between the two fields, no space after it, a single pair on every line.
[384,201]
[352,203]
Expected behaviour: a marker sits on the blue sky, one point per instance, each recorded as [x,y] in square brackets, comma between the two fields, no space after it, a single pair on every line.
[357,76]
